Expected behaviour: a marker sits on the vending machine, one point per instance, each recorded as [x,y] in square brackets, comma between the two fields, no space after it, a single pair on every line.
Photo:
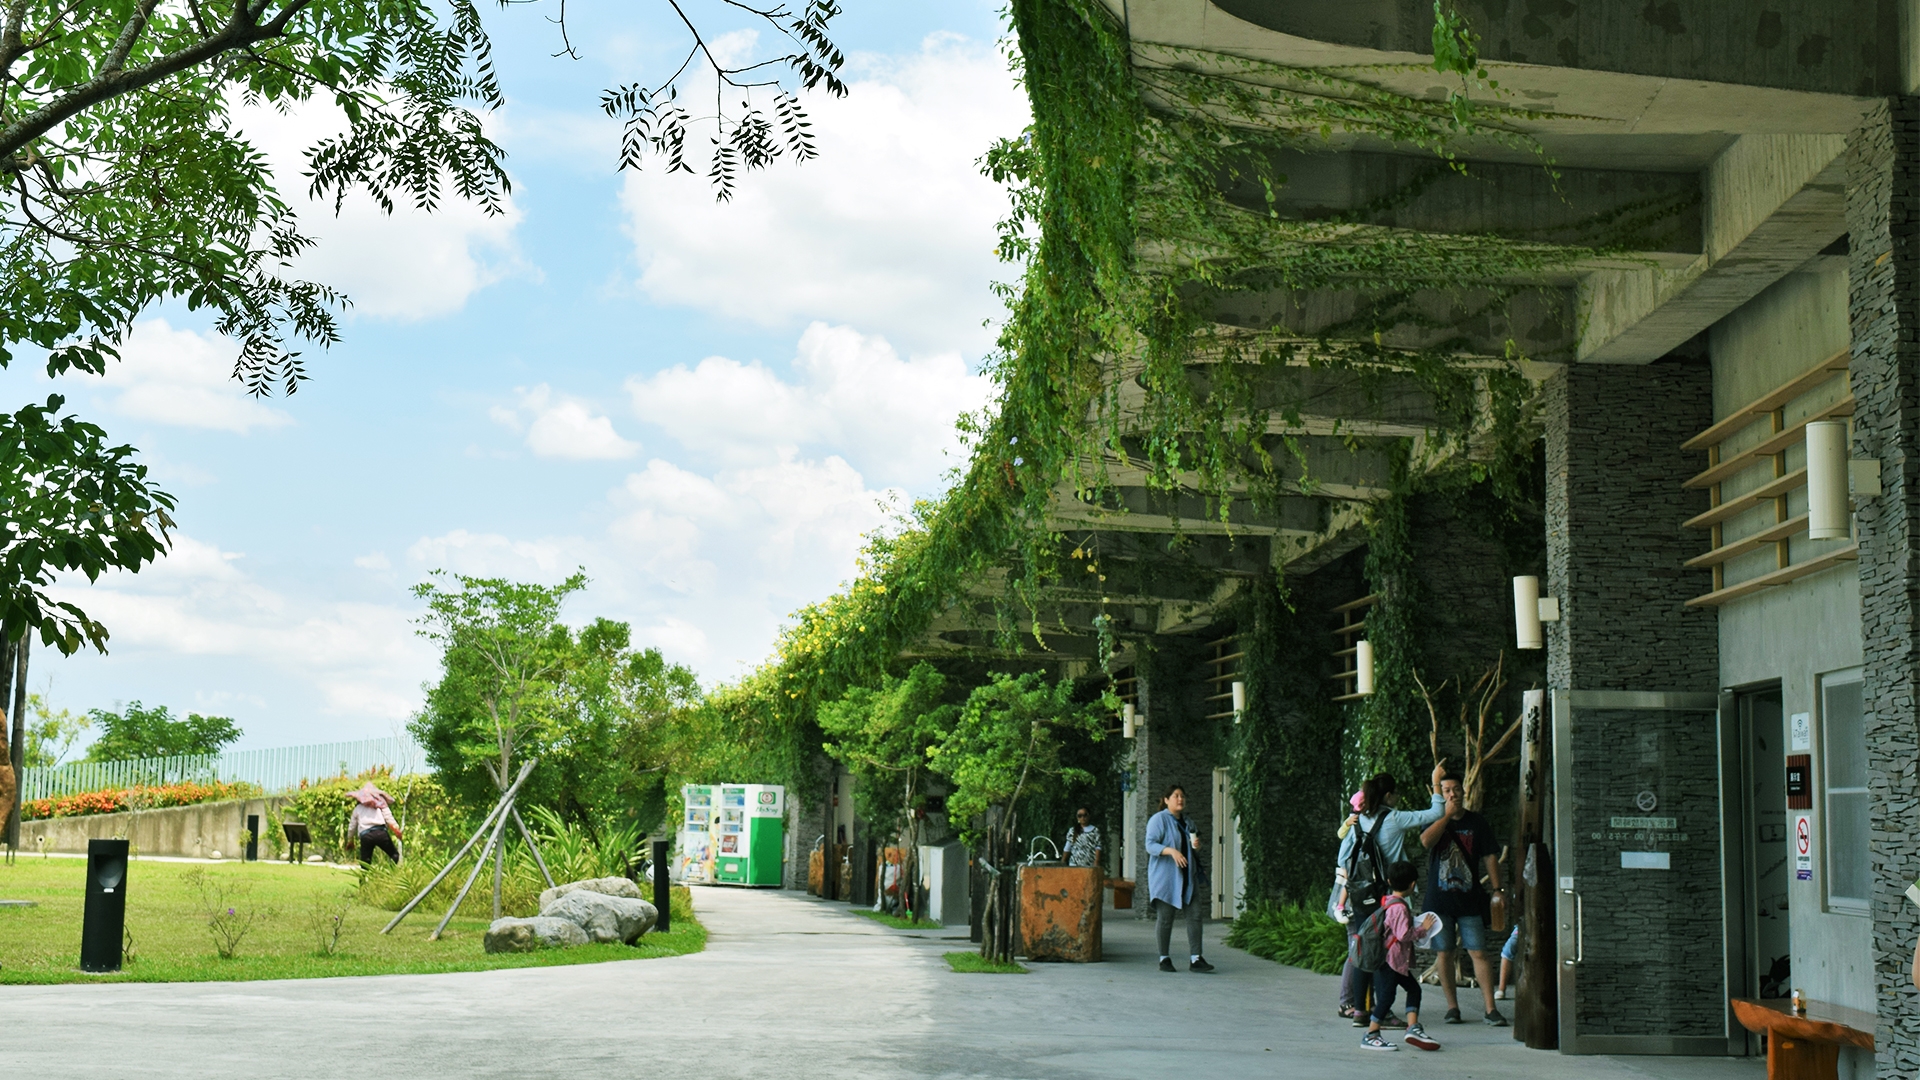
[694,866]
[747,833]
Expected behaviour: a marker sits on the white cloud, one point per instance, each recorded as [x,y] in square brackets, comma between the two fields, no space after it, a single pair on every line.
[358,660]
[376,561]
[851,394]
[490,555]
[890,228]
[407,265]
[184,378]
[560,427]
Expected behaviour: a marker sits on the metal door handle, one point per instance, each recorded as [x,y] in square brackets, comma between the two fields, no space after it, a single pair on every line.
[1579,929]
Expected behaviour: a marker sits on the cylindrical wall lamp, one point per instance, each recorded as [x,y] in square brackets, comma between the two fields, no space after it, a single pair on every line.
[1829,514]
[1126,720]
[1363,666]
[1526,612]
[1239,700]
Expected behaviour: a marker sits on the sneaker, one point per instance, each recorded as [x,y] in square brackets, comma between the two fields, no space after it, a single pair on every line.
[1200,966]
[1453,1017]
[1360,1019]
[1418,1038]
[1166,964]
[1373,1041]
[1503,994]
[1494,1019]
[1393,1021]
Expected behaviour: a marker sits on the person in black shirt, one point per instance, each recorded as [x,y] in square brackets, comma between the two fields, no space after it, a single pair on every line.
[1460,848]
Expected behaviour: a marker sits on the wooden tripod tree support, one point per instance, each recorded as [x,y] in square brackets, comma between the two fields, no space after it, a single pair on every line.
[491,826]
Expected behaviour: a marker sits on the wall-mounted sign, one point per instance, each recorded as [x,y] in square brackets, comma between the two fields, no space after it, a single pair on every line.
[1643,823]
[1800,731]
[1646,860]
[1799,782]
[1803,847]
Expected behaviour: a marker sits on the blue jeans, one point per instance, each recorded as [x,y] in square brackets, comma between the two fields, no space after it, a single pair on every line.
[1469,931]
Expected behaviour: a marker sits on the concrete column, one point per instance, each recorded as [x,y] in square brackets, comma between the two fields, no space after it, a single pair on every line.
[1616,551]
[1883,225]
[1177,746]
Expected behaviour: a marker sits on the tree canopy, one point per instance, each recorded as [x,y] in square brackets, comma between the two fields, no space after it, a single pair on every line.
[516,682]
[126,180]
[140,732]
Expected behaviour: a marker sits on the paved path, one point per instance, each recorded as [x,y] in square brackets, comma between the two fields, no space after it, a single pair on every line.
[788,987]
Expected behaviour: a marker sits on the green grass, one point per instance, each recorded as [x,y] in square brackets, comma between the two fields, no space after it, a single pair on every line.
[172,941]
[897,922]
[972,963]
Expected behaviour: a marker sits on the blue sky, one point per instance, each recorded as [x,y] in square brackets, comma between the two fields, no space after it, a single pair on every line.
[705,405]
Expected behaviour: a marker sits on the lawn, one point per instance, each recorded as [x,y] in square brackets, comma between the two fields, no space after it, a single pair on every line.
[897,922]
[291,909]
[972,963]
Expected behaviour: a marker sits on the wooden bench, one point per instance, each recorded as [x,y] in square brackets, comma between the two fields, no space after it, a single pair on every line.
[1805,1046]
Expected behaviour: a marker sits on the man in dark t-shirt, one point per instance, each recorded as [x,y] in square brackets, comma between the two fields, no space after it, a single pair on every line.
[1460,848]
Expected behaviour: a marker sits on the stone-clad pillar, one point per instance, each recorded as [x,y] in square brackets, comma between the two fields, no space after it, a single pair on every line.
[1883,226]
[1616,551]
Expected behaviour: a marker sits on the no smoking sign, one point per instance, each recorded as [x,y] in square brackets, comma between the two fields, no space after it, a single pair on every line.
[1803,847]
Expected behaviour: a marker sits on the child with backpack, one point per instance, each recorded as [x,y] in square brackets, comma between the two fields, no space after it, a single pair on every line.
[1385,948]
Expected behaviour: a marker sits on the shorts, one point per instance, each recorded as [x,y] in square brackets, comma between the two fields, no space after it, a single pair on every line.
[1470,930]
[1513,944]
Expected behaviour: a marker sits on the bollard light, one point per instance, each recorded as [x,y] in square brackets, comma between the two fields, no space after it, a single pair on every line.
[662,886]
[103,921]
[1829,515]
[1526,612]
[1239,700]
[1126,720]
[1363,666]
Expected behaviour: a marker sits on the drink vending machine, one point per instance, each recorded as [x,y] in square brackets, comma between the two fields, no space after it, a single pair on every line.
[732,834]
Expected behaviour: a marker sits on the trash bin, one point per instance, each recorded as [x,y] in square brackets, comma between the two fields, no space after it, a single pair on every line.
[1060,913]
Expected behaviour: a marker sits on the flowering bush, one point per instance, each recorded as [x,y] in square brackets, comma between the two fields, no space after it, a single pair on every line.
[114,800]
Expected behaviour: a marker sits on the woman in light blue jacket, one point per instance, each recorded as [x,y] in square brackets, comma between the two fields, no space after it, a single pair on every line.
[1171,878]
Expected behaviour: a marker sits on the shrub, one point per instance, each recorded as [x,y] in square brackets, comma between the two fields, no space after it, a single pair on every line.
[229,909]
[1291,934]
[419,804]
[138,797]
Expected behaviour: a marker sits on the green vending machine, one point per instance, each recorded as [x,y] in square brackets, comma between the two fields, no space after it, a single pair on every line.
[748,834]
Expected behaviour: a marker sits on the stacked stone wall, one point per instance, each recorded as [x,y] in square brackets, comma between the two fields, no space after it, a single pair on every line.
[1883,226]
[1616,551]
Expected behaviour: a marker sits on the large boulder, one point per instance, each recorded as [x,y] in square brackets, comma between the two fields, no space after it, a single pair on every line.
[606,886]
[603,917]
[527,935]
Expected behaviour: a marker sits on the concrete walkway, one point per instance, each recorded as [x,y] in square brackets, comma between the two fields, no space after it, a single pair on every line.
[788,987]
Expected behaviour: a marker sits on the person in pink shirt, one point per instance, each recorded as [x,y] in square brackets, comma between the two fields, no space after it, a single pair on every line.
[1396,918]
[372,822]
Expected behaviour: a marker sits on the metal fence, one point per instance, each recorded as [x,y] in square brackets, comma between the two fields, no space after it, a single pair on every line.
[277,769]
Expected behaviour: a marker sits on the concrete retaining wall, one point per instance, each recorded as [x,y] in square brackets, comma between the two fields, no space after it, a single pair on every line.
[190,831]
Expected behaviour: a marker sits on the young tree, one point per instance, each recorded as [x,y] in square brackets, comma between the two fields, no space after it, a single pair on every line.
[126,180]
[139,732]
[882,736]
[1005,746]
[51,732]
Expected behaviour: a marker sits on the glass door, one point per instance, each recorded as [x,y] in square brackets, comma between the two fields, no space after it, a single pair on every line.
[1642,902]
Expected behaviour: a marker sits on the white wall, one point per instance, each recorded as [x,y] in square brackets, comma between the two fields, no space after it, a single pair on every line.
[1800,631]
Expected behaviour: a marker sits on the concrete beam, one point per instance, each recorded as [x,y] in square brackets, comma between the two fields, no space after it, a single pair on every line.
[1580,99]
[1652,212]
[1773,202]
[1145,510]
[1835,46]
[1539,320]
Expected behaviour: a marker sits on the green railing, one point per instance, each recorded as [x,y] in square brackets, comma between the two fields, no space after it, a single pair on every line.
[276,769]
